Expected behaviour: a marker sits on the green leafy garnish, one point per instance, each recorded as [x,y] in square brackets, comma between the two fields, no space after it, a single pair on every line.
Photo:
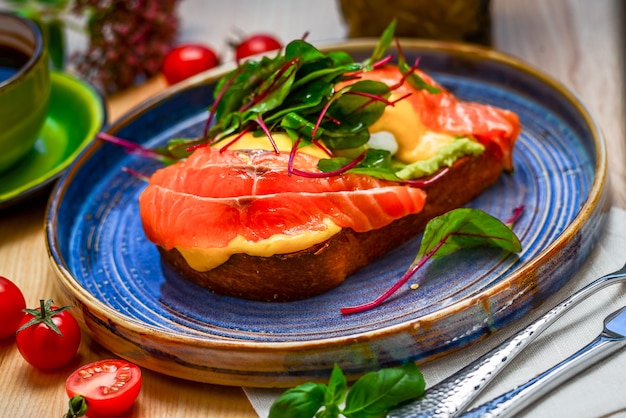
[296,92]
[370,396]
[450,232]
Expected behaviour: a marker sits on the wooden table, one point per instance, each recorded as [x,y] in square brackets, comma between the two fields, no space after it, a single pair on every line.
[576,41]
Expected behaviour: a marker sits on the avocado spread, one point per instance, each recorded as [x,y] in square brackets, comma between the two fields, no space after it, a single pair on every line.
[445,157]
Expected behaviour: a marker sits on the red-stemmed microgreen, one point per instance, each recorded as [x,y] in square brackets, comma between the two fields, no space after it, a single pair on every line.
[321,117]
[136,174]
[450,232]
[235,139]
[413,78]
[322,174]
[218,98]
[382,62]
[277,83]
[134,148]
[517,213]
[259,121]
[406,74]
[372,97]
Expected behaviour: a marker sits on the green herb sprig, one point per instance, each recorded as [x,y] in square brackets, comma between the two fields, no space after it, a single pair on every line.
[370,396]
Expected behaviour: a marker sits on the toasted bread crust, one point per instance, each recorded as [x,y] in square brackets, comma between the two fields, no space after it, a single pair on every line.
[303,274]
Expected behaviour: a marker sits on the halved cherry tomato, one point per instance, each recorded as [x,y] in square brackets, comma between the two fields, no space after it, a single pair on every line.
[48,337]
[11,305]
[109,387]
[187,60]
[256,44]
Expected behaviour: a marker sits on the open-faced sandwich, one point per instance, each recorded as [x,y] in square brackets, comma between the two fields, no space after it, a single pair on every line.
[313,166]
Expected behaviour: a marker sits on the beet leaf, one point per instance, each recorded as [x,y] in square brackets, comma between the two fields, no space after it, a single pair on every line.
[448,233]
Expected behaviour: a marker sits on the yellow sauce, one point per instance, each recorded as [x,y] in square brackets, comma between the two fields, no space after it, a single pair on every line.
[414,141]
[203,259]
[282,140]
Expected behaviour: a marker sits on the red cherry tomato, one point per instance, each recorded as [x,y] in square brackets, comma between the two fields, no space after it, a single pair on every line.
[11,304]
[186,60]
[40,344]
[256,44]
[109,387]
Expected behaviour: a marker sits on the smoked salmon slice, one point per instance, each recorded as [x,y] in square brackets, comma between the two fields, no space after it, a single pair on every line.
[250,194]
[209,173]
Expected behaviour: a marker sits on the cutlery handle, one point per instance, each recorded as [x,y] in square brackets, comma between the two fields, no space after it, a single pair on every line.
[452,395]
[516,400]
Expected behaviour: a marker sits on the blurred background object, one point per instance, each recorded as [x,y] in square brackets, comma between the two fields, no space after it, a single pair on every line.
[125,40]
[24,87]
[449,20]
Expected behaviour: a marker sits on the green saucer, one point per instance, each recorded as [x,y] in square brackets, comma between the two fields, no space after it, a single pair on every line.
[75,114]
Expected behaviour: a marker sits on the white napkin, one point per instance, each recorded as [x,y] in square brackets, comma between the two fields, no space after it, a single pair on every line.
[597,392]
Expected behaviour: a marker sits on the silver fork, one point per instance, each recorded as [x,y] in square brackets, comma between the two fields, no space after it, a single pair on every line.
[451,396]
[610,340]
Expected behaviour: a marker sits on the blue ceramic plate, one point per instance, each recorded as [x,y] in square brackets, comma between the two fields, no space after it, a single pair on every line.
[139,309]
[75,114]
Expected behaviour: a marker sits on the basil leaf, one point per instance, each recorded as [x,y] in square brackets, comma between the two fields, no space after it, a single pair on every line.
[466,228]
[303,401]
[336,391]
[376,392]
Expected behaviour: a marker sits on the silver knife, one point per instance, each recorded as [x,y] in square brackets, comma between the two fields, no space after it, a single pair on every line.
[612,338]
[451,396]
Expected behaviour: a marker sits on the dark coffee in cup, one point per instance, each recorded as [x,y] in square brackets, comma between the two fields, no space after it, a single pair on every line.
[11,61]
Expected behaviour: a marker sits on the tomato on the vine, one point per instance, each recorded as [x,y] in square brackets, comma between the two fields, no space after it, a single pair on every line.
[108,387]
[12,304]
[48,337]
[186,60]
[256,44]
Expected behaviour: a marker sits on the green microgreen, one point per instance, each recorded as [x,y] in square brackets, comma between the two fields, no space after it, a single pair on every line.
[370,396]
[295,92]
[448,233]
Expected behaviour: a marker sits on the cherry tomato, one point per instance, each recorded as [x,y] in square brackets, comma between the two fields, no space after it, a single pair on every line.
[109,387]
[186,60]
[11,305]
[256,44]
[48,337]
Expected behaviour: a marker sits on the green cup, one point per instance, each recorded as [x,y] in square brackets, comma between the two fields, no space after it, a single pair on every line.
[24,87]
